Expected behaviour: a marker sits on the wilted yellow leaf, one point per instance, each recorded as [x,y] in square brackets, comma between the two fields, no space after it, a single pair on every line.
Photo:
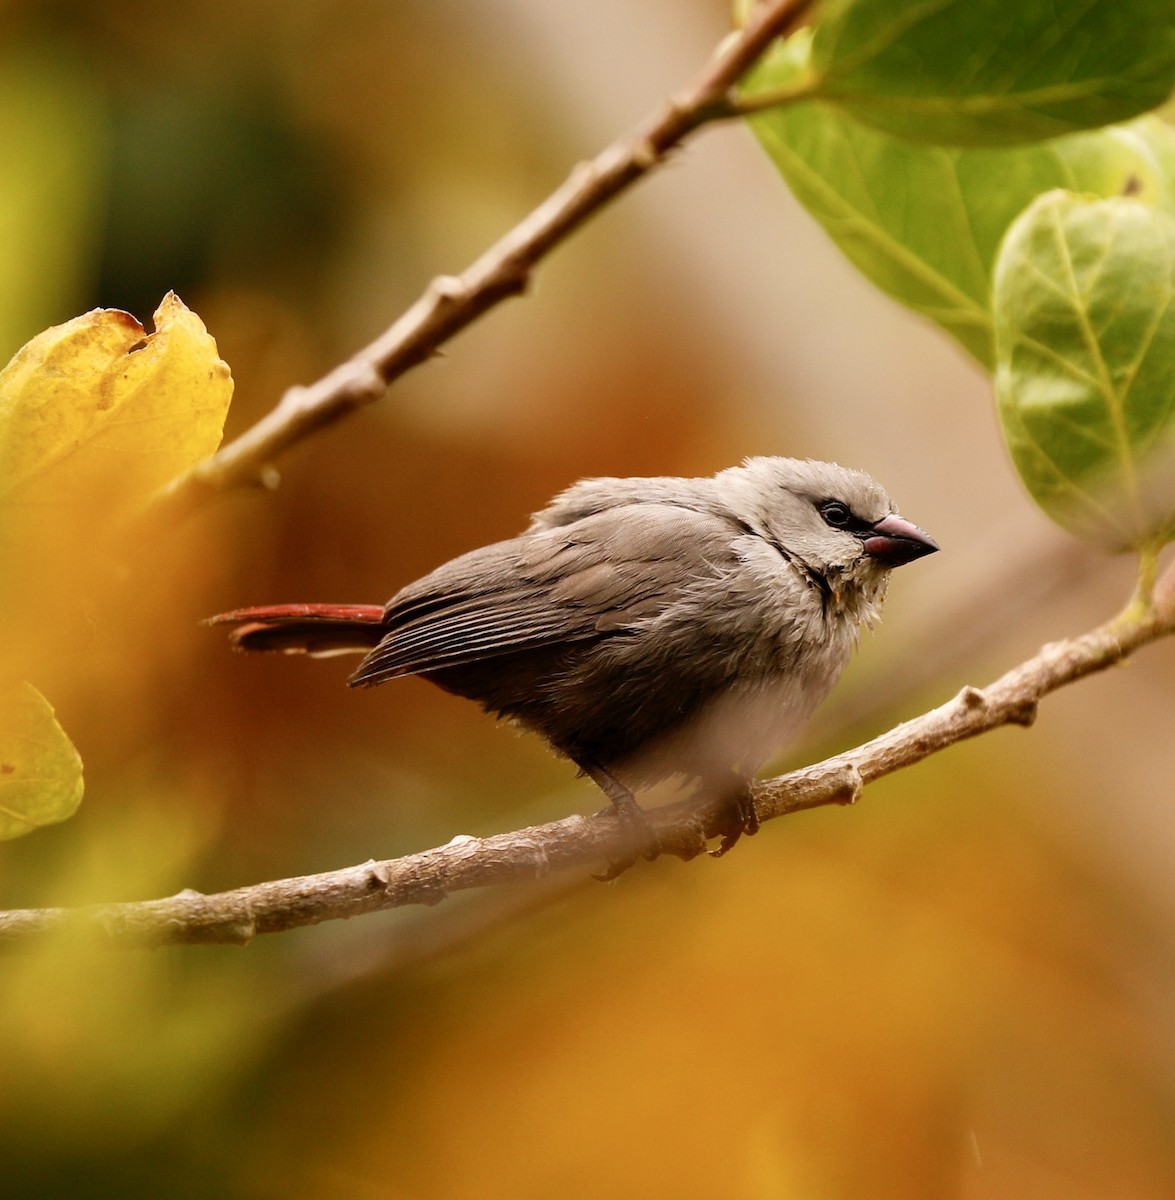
[40,771]
[96,410]
[95,416]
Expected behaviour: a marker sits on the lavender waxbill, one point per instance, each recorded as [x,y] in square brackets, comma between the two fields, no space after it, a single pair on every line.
[644,627]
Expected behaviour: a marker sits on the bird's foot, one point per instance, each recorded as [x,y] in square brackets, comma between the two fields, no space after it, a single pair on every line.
[640,837]
[738,817]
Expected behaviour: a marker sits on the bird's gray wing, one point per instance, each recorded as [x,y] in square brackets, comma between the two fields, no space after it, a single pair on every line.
[592,578]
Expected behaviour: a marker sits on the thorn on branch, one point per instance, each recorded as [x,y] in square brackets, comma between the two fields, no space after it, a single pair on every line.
[847,784]
[517,274]
[448,290]
[294,400]
[644,155]
[1024,713]
[366,382]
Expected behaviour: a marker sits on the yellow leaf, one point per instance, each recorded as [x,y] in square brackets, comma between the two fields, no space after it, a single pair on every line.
[95,416]
[96,411]
[40,771]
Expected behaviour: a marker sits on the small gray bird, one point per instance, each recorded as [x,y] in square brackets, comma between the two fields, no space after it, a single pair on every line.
[645,627]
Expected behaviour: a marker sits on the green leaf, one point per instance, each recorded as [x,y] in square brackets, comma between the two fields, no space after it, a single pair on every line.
[994,72]
[1085,338]
[40,771]
[924,222]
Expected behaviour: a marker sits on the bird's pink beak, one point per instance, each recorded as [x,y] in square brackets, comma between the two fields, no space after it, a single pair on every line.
[894,541]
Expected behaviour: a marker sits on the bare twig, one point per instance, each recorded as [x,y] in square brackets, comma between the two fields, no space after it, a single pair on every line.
[580,842]
[450,303]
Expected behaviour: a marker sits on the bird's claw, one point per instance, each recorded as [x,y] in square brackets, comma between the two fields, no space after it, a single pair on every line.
[639,836]
[740,817]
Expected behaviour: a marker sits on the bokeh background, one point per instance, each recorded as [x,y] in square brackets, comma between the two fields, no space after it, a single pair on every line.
[963,987]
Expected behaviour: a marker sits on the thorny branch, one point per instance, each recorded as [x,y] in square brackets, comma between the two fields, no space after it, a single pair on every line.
[451,303]
[577,842]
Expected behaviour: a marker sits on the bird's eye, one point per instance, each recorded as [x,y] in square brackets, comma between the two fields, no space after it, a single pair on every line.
[836,514]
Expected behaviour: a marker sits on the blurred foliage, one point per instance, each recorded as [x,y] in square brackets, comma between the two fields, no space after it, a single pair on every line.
[55,139]
[944,991]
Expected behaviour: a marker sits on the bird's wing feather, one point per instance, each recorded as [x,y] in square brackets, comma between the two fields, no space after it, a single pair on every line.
[557,587]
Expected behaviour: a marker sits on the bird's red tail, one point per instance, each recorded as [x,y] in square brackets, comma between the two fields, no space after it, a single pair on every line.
[316,629]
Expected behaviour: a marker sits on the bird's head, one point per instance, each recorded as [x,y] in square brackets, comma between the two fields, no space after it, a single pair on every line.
[835,523]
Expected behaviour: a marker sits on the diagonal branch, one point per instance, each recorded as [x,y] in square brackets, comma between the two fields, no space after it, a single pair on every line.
[451,303]
[577,843]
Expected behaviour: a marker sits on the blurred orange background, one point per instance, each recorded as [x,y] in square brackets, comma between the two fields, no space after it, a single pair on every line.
[963,987]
